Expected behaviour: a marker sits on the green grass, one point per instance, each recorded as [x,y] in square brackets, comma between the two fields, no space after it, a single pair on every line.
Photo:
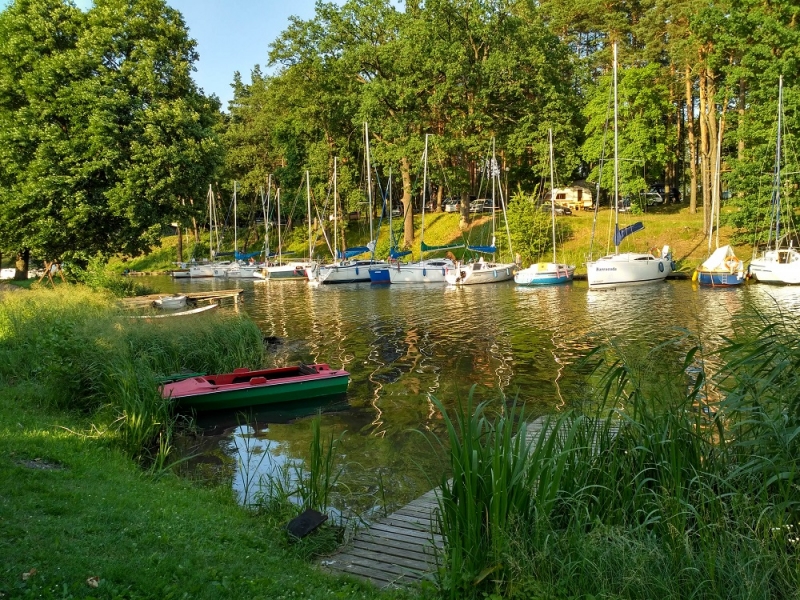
[96,514]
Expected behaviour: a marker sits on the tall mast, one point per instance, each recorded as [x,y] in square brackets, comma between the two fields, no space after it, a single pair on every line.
[266,218]
[235,229]
[308,216]
[369,190]
[491,170]
[777,192]
[210,223]
[335,229]
[278,201]
[266,225]
[616,157]
[424,195]
[552,195]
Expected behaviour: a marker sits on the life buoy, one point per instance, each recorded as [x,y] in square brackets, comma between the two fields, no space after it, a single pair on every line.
[732,264]
[655,252]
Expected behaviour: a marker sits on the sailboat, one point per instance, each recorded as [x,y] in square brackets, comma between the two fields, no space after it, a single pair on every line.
[780,262]
[344,269]
[380,273]
[627,268]
[206,269]
[238,268]
[293,269]
[721,268]
[432,270]
[544,273]
[484,271]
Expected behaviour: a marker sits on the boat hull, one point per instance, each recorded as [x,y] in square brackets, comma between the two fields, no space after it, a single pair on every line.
[719,279]
[480,273]
[777,266]
[291,271]
[429,271]
[545,274]
[347,272]
[251,388]
[379,274]
[628,269]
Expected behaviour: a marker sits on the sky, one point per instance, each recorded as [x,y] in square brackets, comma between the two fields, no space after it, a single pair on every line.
[232,35]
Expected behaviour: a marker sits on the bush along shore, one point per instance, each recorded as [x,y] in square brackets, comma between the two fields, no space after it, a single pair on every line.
[677,486]
[90,507]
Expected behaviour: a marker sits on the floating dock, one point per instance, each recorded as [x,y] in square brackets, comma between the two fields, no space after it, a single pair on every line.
[191,298]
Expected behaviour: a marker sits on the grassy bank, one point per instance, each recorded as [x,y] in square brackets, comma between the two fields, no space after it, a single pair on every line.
[672,225]
[88,491]
[75,507]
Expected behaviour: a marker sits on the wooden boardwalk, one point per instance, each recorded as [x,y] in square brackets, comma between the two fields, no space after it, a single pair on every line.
[400,550]
[395,551]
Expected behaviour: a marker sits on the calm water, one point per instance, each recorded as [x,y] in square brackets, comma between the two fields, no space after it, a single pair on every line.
[403,344]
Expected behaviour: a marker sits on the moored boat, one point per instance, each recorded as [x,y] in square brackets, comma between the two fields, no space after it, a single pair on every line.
[244,387]
[722,268]
[170,302]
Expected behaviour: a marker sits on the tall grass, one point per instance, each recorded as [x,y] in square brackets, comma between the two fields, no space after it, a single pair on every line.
[646,495]
[81,353]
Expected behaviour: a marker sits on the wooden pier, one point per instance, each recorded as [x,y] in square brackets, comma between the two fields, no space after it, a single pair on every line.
[191,298]
[396,551]
[400,550]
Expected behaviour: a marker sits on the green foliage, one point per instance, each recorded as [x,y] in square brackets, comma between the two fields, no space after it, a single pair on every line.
[97,276]
[80,353]
[531,233]
[103,133]
[656,482]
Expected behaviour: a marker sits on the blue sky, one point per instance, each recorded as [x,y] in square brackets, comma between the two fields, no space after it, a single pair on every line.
[232,35]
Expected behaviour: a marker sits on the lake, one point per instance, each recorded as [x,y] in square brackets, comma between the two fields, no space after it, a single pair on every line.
[404,344]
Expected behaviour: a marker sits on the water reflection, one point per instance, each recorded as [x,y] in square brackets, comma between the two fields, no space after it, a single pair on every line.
[403,344]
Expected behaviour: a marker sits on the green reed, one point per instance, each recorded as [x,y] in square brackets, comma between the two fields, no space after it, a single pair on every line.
[315,482]
[82,353]
[644,495]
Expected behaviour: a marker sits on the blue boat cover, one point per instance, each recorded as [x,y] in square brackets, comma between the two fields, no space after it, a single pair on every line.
[484,249]
[394,253]
[351,252]
[621,234]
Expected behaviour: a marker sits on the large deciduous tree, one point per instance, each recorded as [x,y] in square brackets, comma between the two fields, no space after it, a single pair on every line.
[102,130]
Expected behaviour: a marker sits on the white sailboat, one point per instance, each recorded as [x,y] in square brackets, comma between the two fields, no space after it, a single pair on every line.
[780,262]
[626,268]
[238,269]
[206,269]
[295,269]
[432,270]
[548,273]
[721,268]
[484,271]
[346,269]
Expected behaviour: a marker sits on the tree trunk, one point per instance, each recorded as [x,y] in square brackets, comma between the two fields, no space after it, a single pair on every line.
[439,194]
[463,222]
[22,265]
[704,148]
[408,208]
[180,243]
[691,142]
[742,100]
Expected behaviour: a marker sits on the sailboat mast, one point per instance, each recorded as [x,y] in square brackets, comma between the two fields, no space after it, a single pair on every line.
[335,219]
[424,194]
[777,200]
[369,190]
[715,203]
[235,228]
[616,156]
[278,201]
[308,215]
[266,218]
[491,169]
[552,195]
[391,231]
[266,226]
[210,223]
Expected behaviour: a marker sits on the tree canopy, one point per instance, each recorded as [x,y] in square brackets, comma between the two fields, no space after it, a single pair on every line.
[102,130]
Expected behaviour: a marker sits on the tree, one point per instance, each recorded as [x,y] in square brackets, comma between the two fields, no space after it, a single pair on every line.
[102,130]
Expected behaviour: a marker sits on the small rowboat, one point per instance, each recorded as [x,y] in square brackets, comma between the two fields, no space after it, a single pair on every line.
[170,302]
[244,387]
